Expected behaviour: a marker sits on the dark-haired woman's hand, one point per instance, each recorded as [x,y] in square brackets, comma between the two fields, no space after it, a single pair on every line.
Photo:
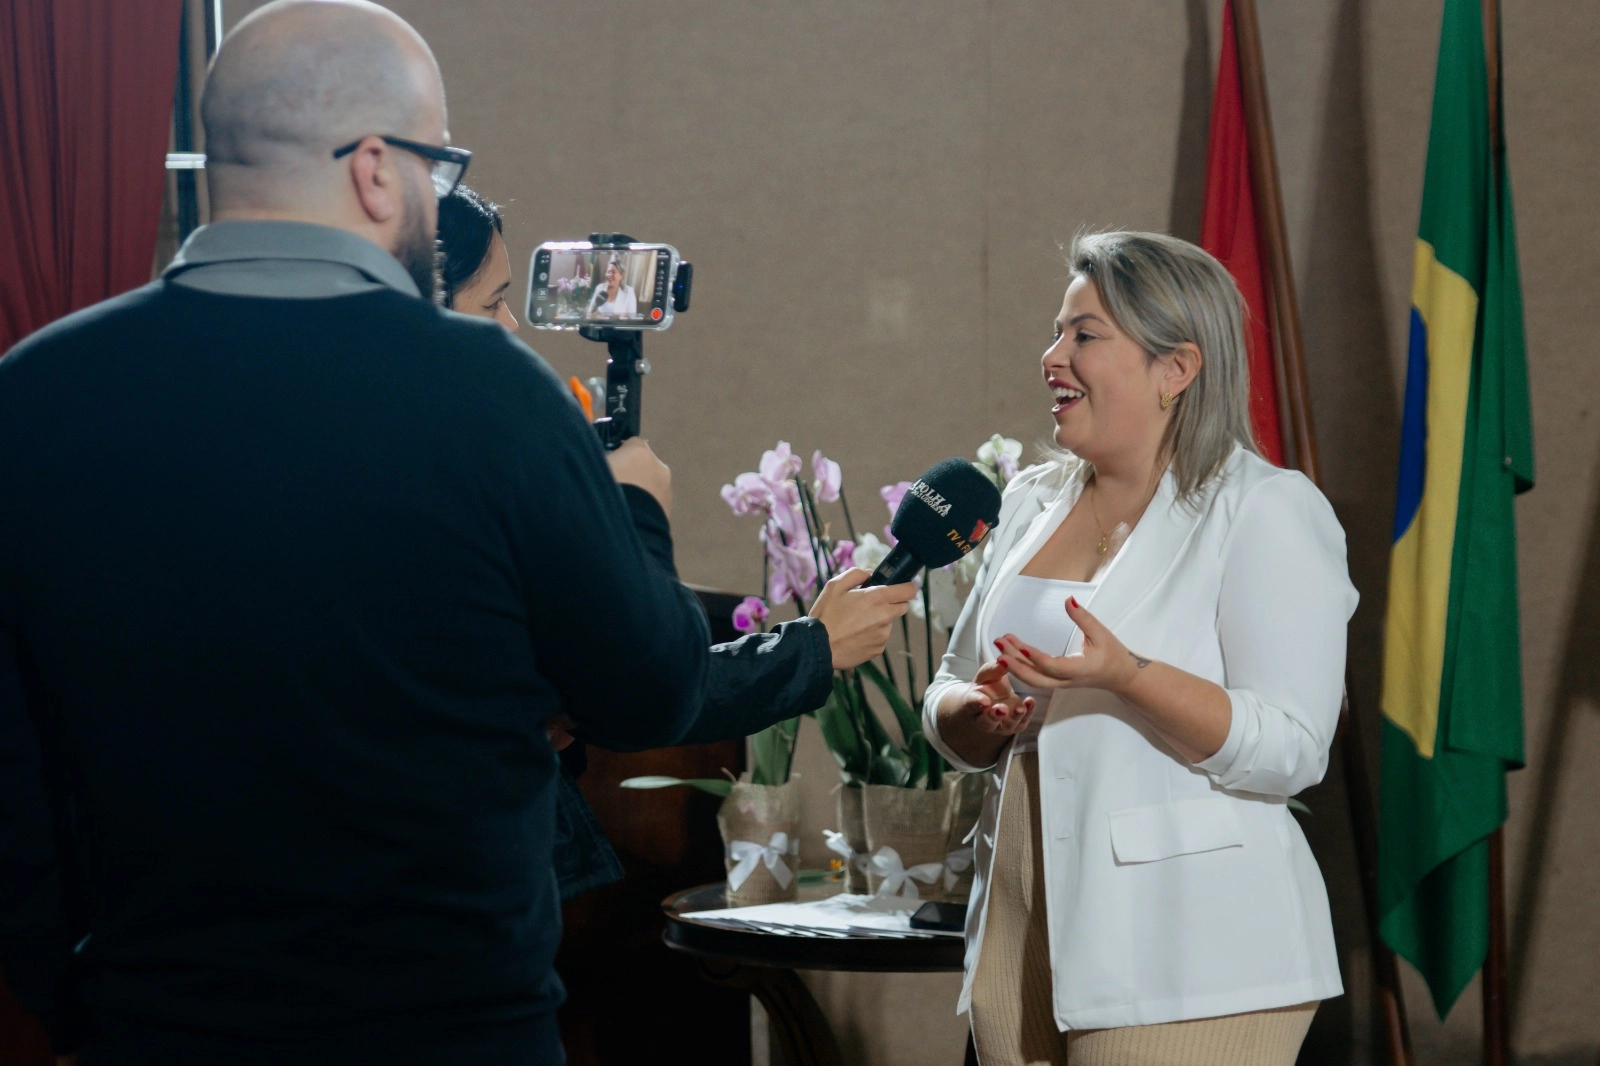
[635,464]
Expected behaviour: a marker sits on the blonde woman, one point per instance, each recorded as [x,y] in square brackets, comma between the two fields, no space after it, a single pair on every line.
[1152,660]
[614,298]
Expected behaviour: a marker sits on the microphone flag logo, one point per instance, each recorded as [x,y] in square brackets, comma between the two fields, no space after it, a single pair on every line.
[979,531]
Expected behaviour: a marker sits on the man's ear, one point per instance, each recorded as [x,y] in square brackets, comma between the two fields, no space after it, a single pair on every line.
[1183,366]
[375,179]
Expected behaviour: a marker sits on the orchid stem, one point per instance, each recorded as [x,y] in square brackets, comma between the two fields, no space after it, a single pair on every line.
[848,523]
[808,508]
[911,662]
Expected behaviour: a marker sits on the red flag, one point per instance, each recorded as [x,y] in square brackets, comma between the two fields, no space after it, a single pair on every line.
[1229,231]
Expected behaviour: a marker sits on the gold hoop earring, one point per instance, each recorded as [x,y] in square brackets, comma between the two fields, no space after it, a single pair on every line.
[1166,400]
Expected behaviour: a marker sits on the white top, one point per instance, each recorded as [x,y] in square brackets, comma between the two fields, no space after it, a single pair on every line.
[623,305]
[1033,609]
[1178,890]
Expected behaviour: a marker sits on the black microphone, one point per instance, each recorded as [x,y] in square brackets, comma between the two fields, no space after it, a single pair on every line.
[944,515]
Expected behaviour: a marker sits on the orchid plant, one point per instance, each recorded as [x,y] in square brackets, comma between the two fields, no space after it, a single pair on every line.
[572,294]
[801,551]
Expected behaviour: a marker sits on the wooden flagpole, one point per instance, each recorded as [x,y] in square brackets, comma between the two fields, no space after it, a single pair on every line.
[1496,1005]
[1295,412]
[1289,352]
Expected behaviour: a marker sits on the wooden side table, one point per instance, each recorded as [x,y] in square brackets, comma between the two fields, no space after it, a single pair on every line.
[764,965]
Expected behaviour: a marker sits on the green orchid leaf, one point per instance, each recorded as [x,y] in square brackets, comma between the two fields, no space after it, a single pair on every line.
[717,786]
[1296,805]
[890,766]
[924,763]
[937,767]
[772,753]
[908,717]
[842,735]
[875,735]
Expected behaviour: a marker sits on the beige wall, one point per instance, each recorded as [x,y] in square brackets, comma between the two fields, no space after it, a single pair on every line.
[873,194]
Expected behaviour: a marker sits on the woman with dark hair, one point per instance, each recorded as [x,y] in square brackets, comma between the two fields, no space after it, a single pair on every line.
[475,270]
[755,681]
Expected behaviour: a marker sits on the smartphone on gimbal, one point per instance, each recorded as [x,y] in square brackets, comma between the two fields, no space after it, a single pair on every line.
[610,288]
[626,285]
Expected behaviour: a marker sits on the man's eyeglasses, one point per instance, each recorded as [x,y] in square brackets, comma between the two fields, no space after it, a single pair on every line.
[449,164]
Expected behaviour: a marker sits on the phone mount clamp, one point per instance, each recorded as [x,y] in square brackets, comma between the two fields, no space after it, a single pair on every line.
[626,365]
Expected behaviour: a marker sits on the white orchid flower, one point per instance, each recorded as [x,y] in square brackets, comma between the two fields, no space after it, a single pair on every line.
[870,551]
[1000,455]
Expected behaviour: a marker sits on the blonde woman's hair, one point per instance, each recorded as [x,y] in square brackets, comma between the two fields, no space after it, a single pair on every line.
[1163,292]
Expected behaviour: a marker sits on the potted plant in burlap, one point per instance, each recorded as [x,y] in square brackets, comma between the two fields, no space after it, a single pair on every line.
[902,815]
[760,826]
[891,796]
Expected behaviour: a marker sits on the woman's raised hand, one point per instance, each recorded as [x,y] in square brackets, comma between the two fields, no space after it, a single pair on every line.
[1104,661]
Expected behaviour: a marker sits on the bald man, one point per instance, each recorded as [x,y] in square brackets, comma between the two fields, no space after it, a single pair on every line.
[295,567]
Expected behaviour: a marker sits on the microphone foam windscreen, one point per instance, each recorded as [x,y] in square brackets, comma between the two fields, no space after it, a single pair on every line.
[946,513]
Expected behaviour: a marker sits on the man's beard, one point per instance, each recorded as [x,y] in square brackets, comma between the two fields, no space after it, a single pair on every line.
[419,250]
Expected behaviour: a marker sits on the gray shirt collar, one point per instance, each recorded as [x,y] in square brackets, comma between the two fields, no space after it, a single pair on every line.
[285,260]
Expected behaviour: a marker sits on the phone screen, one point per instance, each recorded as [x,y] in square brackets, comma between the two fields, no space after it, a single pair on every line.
[573,283]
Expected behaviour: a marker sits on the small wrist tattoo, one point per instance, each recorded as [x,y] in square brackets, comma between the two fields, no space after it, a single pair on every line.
[1140,661]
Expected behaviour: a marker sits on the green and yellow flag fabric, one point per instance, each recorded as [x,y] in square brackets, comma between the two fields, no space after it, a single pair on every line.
[1452,676]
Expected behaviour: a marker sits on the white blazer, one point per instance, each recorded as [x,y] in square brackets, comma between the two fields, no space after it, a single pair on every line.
[1176,890]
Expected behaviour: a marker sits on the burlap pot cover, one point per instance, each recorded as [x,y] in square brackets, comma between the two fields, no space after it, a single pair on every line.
[849,841]
[906,833]
[761,847]
[965,793]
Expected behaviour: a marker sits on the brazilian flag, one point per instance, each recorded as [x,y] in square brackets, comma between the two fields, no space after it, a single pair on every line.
[1452,673]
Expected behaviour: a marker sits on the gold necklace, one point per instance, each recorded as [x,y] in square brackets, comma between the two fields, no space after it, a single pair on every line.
[1105,534]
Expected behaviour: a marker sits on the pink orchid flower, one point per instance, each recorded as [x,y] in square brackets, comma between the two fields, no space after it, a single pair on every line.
[748,494]
[750,614]
[892,495]
[828,478]
[779,465]
[844,555]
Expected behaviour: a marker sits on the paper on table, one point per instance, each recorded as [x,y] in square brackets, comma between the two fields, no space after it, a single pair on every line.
[840,915]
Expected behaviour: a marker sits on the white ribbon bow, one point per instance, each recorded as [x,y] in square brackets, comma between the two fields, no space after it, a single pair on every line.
[897,880]
[956,863]
[839,844]
[746,854]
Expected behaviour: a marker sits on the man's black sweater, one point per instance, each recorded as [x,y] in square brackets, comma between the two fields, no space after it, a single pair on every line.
[288,591]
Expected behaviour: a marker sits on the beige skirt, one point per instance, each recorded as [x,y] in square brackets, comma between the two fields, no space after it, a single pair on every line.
[1012,1015]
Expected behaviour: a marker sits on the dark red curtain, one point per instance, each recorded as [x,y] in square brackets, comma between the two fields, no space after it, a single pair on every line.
[85,102]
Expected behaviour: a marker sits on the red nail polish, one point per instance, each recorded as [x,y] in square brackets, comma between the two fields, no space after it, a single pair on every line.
[999,643]
[1073,600]
[1026,654]
[1002,662]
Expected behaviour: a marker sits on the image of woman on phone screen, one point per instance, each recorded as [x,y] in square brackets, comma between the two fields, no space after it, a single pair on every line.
[614,298]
